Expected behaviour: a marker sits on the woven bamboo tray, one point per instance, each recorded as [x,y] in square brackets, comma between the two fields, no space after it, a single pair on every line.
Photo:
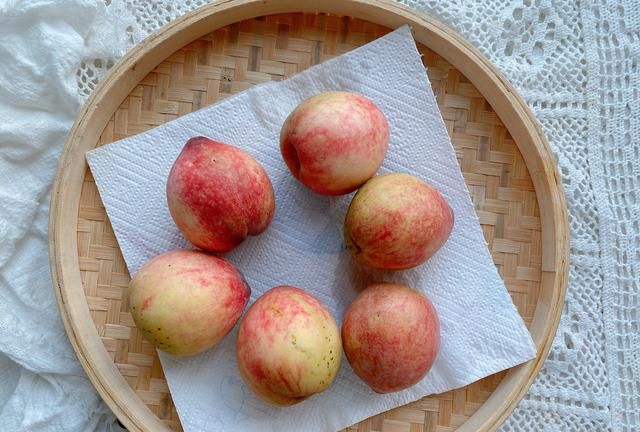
[226,47]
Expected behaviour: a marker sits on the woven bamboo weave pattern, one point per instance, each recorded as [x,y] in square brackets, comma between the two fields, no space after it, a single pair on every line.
[232,59]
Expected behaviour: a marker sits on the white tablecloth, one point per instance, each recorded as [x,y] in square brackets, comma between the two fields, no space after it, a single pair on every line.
[576,64]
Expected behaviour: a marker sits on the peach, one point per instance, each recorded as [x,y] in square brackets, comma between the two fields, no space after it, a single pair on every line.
[218,195]
[185,301]
[288,346]
[396,221]
[391,336]
[333,142]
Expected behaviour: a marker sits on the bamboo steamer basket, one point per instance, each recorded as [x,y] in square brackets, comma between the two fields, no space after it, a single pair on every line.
[227,46]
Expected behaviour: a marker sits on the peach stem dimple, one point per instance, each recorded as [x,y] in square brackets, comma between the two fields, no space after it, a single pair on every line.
[292,159]
[357,248]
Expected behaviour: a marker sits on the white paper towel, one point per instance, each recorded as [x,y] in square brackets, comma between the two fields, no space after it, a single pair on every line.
[482,332]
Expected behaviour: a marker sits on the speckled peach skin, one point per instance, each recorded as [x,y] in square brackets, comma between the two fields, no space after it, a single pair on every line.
[185,301]
[391,336]
[333,142]
[396,221]
[218,195]
[288,346]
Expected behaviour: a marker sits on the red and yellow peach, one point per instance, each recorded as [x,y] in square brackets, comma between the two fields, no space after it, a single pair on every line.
[333,142]
[288,346]
[396,221]
[391,336]
[218,195]
[185,301]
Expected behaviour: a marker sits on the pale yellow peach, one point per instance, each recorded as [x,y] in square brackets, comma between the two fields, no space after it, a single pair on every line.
[288,346]
[185,301]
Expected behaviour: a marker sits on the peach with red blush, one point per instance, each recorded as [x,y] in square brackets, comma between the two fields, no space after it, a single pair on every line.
[288,346]
[396,221]
[185,301]
[391,336]
[218,195]
[333,142]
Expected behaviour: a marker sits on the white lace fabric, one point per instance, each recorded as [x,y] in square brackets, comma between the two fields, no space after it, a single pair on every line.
[576,65]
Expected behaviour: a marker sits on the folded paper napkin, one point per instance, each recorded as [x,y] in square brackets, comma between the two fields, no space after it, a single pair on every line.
[482,332]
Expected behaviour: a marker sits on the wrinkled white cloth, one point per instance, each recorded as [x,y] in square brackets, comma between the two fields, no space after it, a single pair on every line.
[575,63]
[42,386]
